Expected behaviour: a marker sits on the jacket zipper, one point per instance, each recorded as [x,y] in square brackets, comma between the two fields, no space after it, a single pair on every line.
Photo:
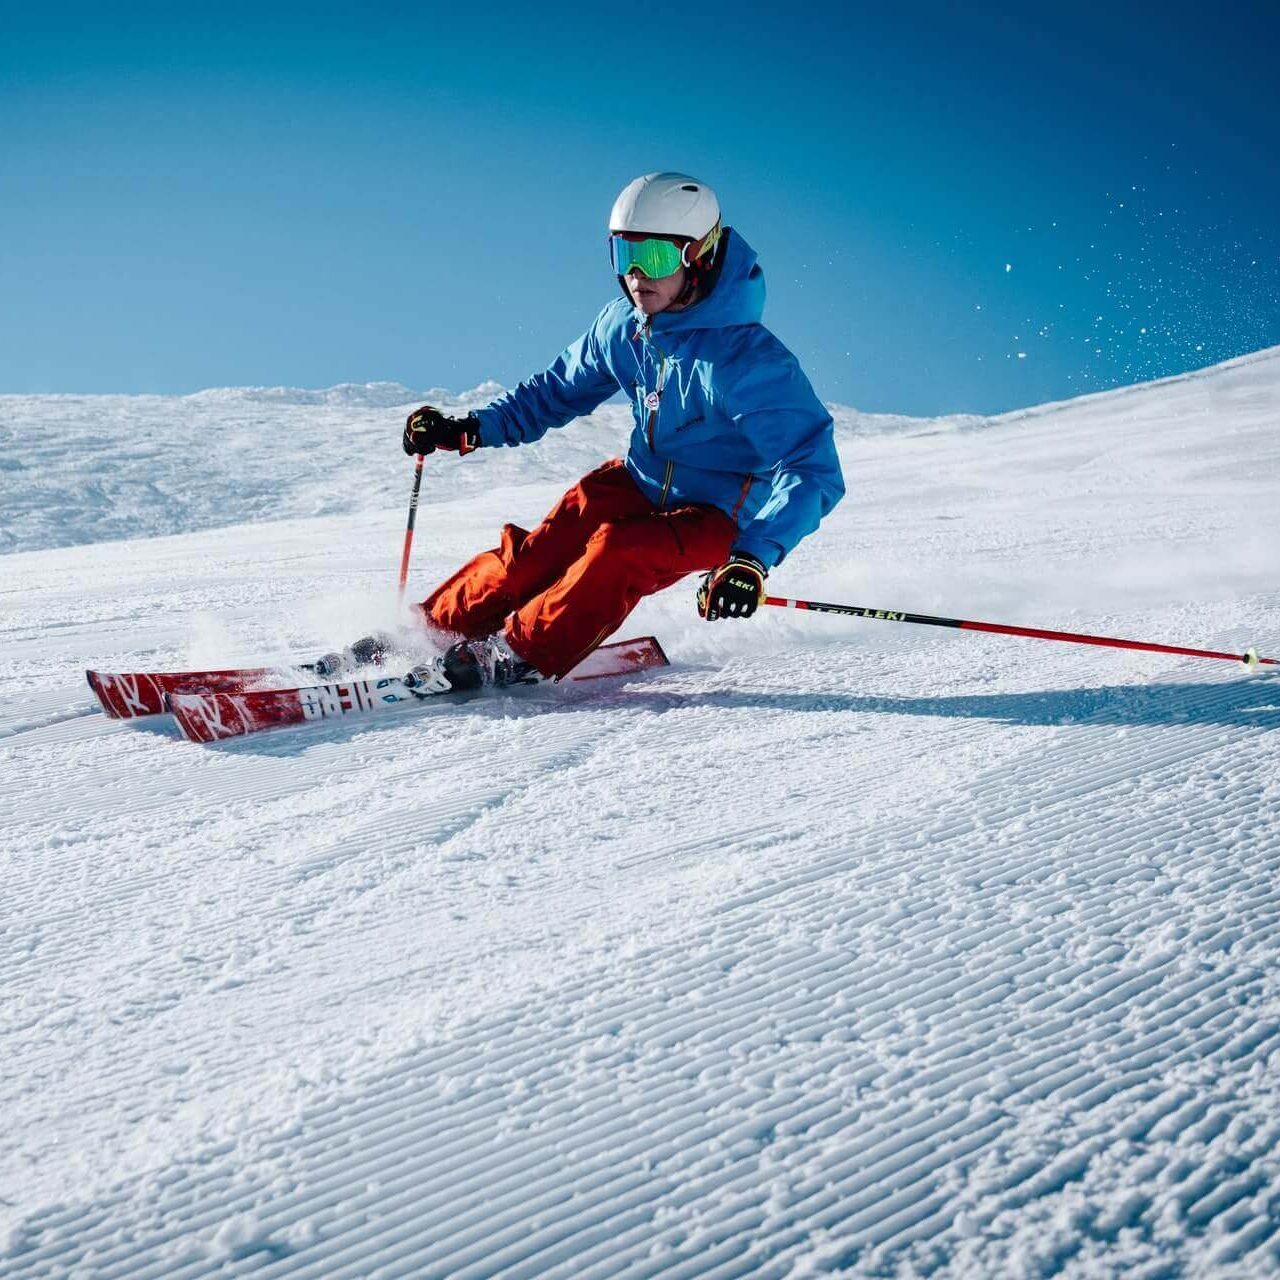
[666,484]
[652,423]
[653,413]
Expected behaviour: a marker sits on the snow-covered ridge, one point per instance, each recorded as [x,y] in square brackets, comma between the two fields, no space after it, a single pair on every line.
[81,469]
[1256,368]
[352,395]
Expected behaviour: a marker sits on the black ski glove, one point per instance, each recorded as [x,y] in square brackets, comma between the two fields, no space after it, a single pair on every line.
[427,429]
[734,590]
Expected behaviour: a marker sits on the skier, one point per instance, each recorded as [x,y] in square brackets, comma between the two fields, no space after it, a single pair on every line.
[731,460]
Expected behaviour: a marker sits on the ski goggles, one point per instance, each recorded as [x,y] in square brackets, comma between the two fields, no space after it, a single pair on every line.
[653,256]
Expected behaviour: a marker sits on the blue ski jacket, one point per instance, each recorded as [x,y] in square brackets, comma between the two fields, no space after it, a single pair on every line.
[723,413]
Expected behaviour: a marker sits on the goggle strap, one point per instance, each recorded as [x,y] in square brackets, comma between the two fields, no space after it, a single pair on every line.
[708,242]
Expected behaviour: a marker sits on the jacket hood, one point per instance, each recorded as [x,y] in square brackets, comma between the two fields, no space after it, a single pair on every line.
[738,296]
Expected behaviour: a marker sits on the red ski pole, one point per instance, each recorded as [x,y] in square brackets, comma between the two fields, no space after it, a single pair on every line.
[408,531]
[1249,657]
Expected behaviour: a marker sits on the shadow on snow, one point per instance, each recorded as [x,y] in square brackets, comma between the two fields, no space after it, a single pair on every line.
[1231,704]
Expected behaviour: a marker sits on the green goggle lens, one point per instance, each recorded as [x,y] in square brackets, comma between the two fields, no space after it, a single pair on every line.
[653,258]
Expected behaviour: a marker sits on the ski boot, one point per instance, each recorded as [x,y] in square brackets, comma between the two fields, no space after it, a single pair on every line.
[369,651]
[472,664]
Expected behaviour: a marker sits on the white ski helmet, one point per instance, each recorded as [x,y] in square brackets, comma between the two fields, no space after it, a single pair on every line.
[666,204]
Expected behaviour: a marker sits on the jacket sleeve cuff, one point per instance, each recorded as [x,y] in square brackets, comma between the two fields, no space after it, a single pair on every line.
[489,427]
[766,552]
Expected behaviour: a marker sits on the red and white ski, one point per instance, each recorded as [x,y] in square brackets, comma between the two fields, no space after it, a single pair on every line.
[124,695]
[205,715]
[209,705]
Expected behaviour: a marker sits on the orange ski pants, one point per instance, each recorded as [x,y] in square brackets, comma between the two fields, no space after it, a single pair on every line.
[571,582]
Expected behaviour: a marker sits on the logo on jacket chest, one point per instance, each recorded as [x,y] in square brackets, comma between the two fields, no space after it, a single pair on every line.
[652,400]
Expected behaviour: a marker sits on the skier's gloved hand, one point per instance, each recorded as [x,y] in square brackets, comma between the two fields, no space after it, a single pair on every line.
[734,590]
[427,429]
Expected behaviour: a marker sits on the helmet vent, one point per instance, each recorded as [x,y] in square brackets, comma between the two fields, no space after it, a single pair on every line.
[688,187]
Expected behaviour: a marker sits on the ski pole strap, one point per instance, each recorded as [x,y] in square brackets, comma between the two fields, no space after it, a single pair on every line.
[413,517]
[1250,657]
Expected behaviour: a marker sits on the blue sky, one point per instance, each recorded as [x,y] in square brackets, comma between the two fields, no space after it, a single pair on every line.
[956,211]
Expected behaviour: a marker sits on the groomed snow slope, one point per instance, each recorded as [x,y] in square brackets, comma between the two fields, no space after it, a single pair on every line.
[834,948]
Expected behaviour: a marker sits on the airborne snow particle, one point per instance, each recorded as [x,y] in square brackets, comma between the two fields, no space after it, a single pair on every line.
[1008,266]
